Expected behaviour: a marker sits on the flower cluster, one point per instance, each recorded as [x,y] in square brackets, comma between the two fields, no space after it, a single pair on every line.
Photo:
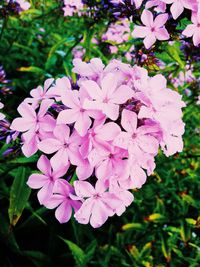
[117,33]
[102,135]
[154,28]
[72,6]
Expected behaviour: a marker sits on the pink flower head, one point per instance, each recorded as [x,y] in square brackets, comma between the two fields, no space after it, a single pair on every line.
[194,29]
[63,200]
[107,97]
[108,132]
[153,29]
[178,6]
[45,181]
[99,203]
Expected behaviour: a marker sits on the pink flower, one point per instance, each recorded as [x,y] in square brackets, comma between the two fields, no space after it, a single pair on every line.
[45,181]
[194,29]
[65,146]
[108,161]
[99,203]
[178,6]
[63,200]
[98,137]
[153,29]
[2,116]
[93,69]
[24,4]
[107,97]
[33,124]
[76,113]
[135,139]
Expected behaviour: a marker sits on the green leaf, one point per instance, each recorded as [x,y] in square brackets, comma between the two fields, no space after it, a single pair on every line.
[31,69]
[174,53]
[129,226]
[19,194]
[77,252]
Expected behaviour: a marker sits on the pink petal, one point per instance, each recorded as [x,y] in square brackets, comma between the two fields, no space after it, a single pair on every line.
[108,131]
[84,213]
[44,165]
[129,120]
[62,187]
[45,192]
[189,30]
[93,89]
[67,116]
[31,147]
[70,98]
[149,40]
[109,84]
[176,9]
[60,159]
[162,34]
[53,201]
[122,140]
[148,144]
[122,94]
[63,212]
[83,189]
[62,132]
[26,111]
[22,124]
[140,31]
[147,18]
[44,106]
[158,82]
[82,123]
[160,20]
[49,145]
[196,37]
[84,171]
[37,181]
[138,177]
[99,214]
[47,123]
[111,111]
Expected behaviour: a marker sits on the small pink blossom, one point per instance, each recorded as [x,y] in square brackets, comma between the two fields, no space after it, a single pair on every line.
[45,181]
[63,144]
[107,97]
[76,113]
[153,29]
[99,203]
[194,29]
[63,200]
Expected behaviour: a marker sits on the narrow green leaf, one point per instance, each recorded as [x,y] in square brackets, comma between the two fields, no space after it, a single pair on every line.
[19,194]
[77,252]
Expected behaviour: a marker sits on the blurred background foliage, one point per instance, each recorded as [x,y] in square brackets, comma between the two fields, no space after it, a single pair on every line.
[161,227]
